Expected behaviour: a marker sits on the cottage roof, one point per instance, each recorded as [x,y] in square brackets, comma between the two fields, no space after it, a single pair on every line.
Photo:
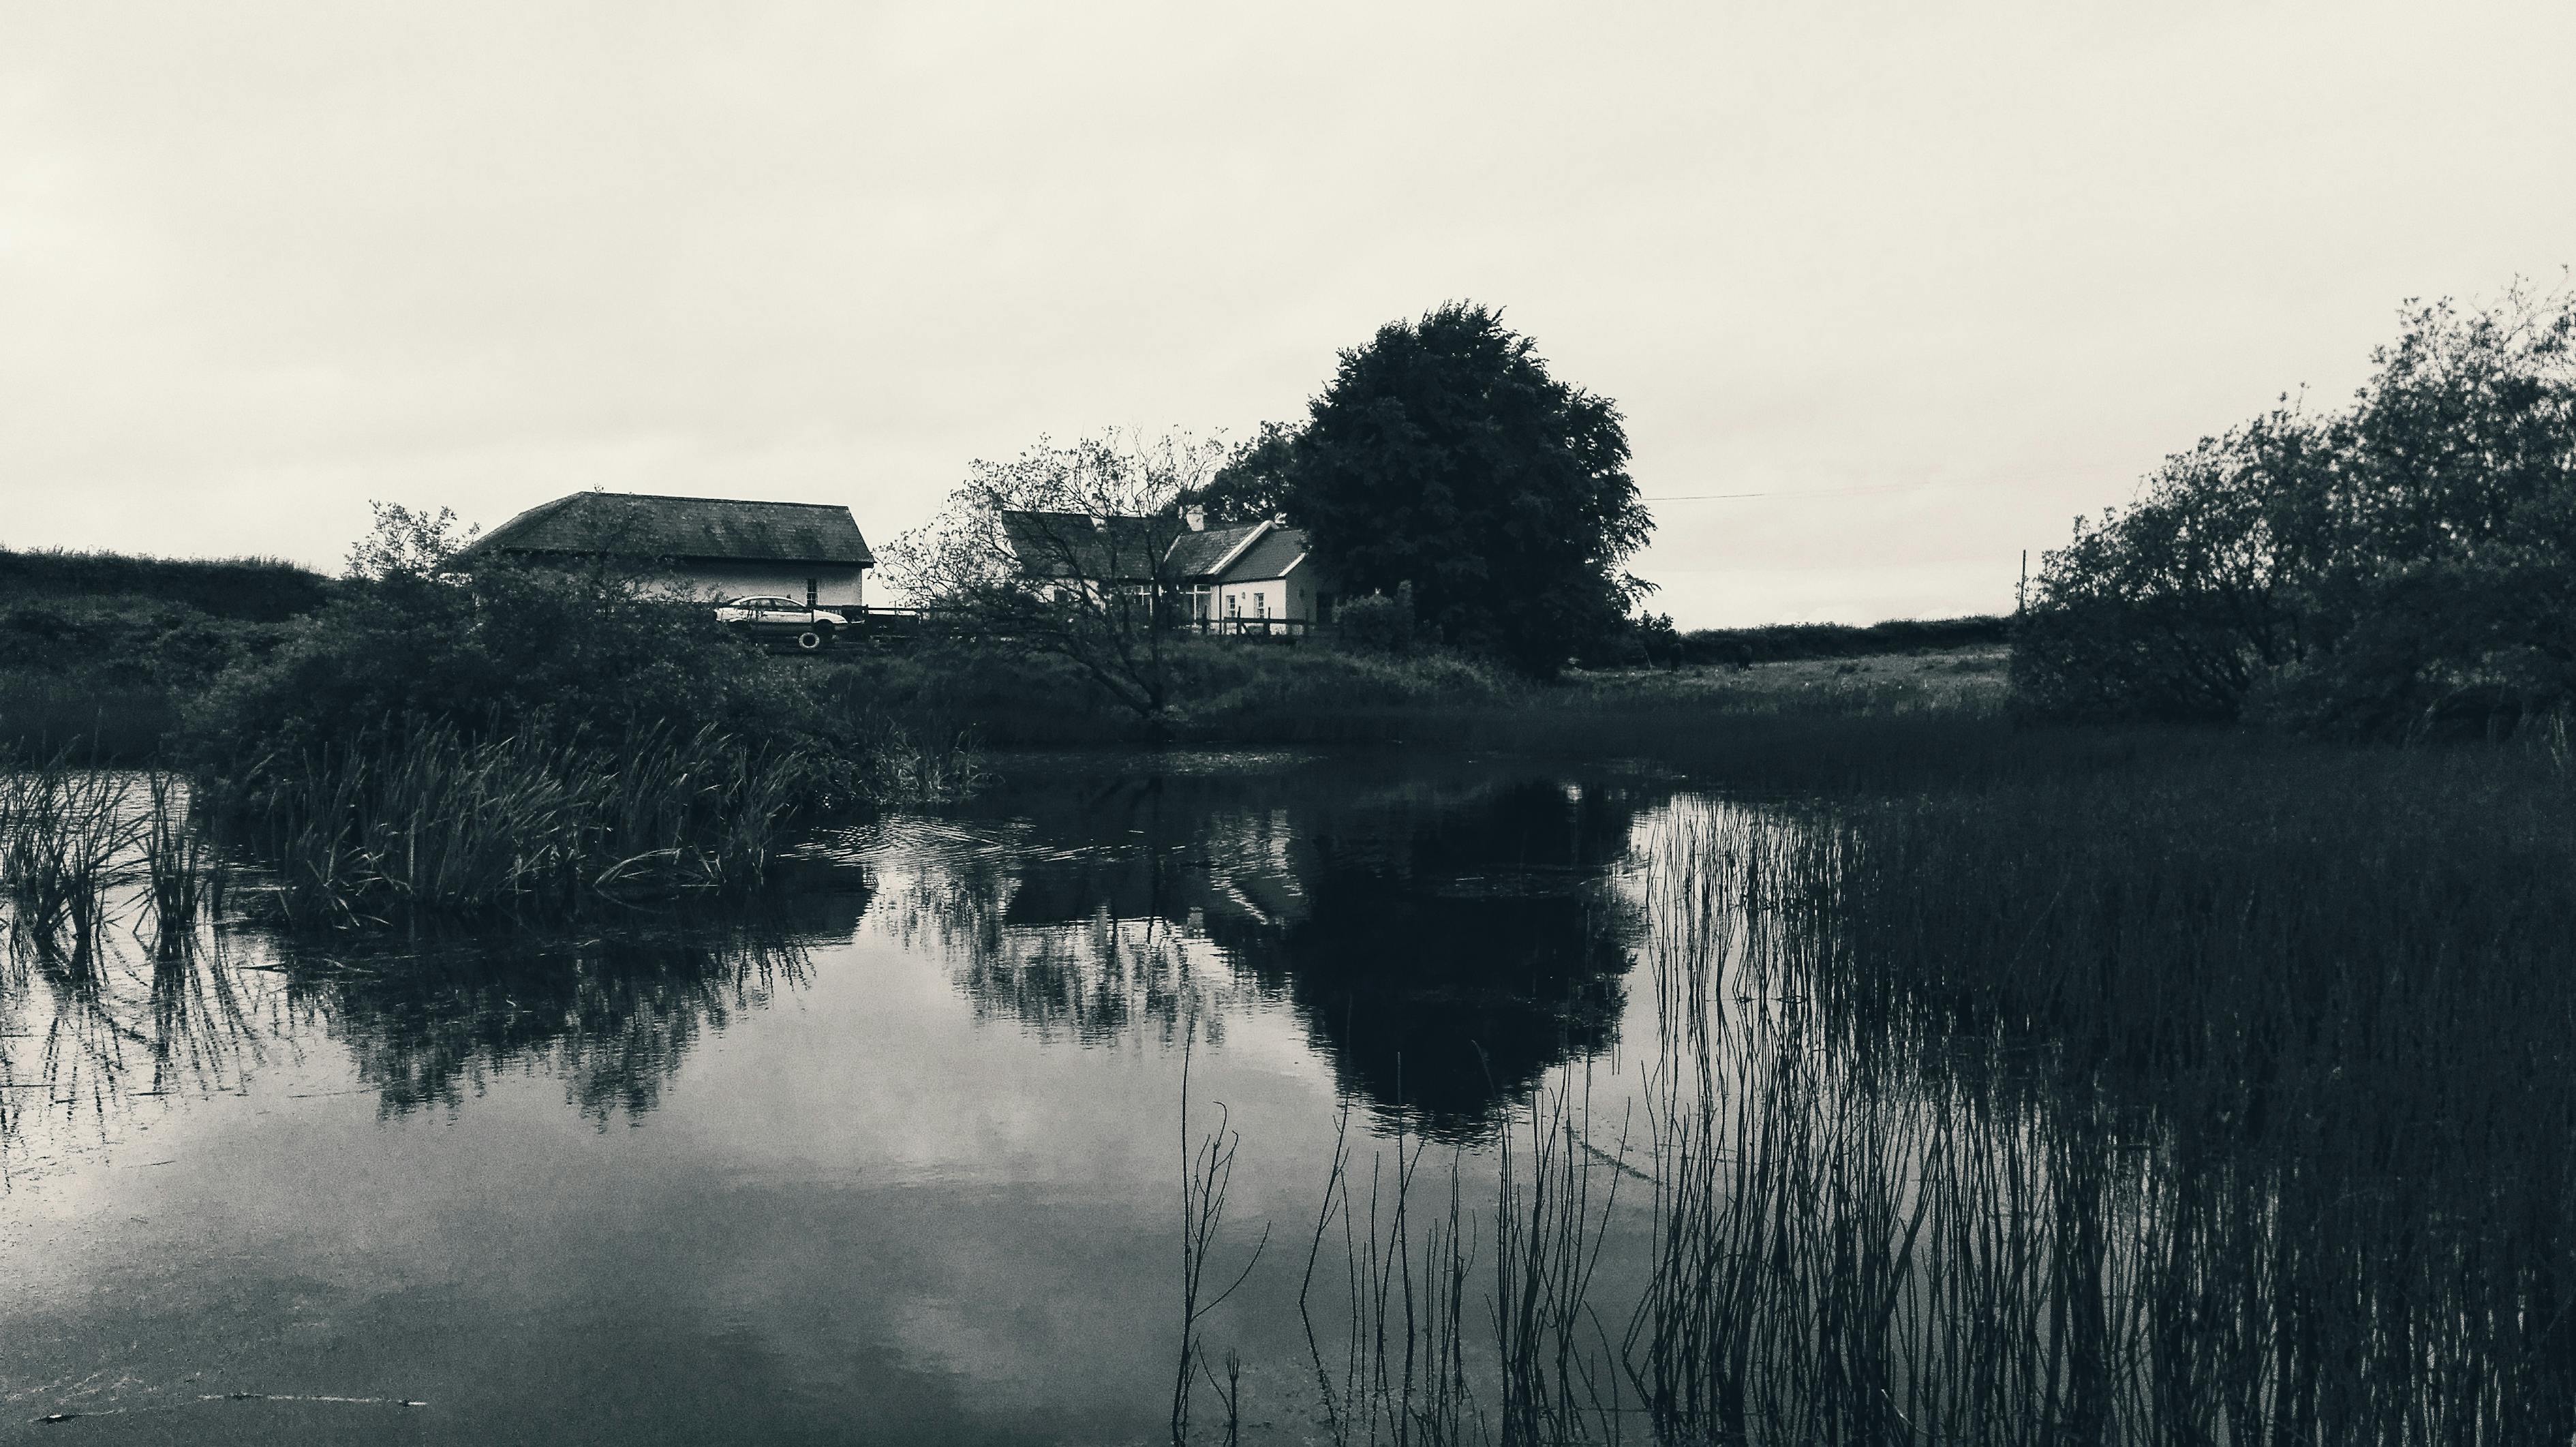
[1121,548]
[1271,557]
[1070,544]
[1201,554]
[635,524]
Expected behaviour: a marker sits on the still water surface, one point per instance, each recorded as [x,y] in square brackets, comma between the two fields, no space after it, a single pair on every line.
[899,1162]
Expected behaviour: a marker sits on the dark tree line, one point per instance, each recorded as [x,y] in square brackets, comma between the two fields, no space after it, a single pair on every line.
[2403,565]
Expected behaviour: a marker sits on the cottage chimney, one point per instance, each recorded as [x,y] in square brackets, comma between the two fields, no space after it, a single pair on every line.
[1196,517]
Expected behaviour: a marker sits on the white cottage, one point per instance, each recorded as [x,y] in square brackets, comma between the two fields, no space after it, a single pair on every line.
[1258,578]
[1240,577]
[704,547]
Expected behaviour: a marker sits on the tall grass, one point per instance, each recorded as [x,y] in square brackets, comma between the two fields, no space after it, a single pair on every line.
[2333,993]
[65,834]
[427,819]
[178,867]
[1460,1319]
[2220,1100]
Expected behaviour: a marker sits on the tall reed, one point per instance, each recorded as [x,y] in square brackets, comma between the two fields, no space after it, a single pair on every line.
[65,833]
[427,819]
[2212,1103]
[176,863]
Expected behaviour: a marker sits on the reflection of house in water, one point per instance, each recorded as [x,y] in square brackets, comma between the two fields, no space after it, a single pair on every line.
[1445,944]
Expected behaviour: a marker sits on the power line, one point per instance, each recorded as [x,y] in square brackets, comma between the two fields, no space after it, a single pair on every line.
[1800,492]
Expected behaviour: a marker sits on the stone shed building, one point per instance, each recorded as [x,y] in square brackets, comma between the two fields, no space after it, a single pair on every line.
[705,547]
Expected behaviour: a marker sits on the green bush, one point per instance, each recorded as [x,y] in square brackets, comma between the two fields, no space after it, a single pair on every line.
[92,720]
[127,640]
[2400,567]
[104,676]
[510,650]
[1378,623]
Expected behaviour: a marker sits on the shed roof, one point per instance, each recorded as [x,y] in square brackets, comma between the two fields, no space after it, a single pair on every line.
[637,524]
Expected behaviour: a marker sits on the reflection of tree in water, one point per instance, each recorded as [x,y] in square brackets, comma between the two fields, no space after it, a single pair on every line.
[426,1018]
[1449,957]
[1446,942]
[612,1015]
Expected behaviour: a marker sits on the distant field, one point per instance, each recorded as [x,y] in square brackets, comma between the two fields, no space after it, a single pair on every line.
[1972,678]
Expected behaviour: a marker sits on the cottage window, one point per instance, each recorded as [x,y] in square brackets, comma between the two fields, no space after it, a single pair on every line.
[811,593]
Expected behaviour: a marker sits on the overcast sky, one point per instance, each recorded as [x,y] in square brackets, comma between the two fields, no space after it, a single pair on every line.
[1931,278]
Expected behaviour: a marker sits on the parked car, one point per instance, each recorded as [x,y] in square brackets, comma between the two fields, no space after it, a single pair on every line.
[783,622]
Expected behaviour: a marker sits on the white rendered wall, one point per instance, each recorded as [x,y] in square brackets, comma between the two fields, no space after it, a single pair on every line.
[833,587]
[1289,597]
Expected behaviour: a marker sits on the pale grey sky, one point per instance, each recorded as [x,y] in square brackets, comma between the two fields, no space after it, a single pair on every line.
[1936,277]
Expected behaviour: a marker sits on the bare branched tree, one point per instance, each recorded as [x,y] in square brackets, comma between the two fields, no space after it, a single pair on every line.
[1067,550]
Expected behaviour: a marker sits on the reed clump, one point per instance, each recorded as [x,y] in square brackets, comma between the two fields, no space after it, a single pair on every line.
[428,819]
[66,834]
[178,867]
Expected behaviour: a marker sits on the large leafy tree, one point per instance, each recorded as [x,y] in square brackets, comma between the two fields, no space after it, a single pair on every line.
[1445,455]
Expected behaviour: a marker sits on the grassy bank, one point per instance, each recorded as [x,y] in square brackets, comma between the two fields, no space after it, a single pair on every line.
[1786,642]
[252,590]
[1229,693]
[100,652]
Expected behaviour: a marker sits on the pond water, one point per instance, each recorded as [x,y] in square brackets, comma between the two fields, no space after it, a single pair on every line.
[901,1159]
[1481,1098]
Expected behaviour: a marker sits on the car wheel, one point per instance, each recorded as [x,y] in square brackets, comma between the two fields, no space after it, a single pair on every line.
[813,639]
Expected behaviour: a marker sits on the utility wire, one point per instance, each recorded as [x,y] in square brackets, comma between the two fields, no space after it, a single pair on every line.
[1800,492]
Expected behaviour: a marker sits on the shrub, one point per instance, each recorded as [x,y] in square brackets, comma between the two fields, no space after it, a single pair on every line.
[2397,567]
[1378,623]
[92,720]
[127,640]
[510,650]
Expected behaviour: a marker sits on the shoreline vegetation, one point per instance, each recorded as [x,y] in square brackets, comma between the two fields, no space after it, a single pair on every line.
[2076,1112]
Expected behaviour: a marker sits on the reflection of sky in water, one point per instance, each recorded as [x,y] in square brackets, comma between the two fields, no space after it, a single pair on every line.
[904,1155]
